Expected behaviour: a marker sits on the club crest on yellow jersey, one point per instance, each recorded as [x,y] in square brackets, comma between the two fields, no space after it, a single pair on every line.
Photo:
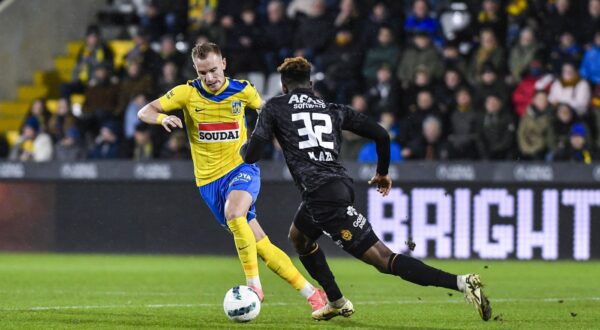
[236,107]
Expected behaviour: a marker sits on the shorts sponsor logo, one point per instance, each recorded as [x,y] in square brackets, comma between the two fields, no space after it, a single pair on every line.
[241,177]
[351,211]
[346,234]
[219,132]
[359,222]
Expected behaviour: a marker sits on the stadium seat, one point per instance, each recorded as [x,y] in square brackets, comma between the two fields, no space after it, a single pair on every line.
[120,48]
[52,105]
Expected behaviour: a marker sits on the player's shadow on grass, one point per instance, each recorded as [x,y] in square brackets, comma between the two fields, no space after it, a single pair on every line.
[352,323]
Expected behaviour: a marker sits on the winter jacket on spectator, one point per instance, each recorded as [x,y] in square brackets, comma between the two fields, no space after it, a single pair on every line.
[563,118]
[490,84]
[101,98]
[497,133]
[134,84]
[465,125]
[521,54]
[555,23]
[385,53]
[33,144]
[107,143]
[379,17]
[368,153]
[275,40]
[590,23]
[576,93]
[69,148]
[566,52]
[414,58]
[430,145]
[590,66]
[313,34]
[88,60]
[523,93]
[577,149]
[534,133]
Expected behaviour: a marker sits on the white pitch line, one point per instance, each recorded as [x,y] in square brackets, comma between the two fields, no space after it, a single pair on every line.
[383,302]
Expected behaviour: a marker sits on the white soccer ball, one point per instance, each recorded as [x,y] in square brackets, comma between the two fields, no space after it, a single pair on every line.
[241,304]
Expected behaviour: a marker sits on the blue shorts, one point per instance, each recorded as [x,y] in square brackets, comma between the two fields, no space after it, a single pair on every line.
[245,177]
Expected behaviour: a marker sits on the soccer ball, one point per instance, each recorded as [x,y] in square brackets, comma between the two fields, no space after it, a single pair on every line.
[241,304]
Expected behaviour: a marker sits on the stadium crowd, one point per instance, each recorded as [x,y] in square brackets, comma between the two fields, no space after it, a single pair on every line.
[465,80]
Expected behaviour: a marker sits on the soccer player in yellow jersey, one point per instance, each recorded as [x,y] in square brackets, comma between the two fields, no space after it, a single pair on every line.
[213,106]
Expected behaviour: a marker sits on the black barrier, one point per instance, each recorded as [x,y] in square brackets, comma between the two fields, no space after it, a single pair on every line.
[489,211]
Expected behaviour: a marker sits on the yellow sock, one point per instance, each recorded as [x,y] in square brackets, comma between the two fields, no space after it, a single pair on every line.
[245,244]
[280,263]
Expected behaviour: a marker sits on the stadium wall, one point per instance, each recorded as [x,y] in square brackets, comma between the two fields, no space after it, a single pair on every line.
[466,210]
[32,32]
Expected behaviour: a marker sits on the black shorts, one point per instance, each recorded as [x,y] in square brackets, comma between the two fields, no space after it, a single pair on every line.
[329,210]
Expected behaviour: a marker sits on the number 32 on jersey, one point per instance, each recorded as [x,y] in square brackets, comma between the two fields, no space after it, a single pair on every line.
[315,125]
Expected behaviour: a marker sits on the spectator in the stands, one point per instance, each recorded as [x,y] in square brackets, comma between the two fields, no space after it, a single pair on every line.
[452,58]
[412,125]
[69,148]
[488,52]
[353,142]
[590,23]
[314,32]
[4,147]
[445,91]
[492,17]
[558,20]
[563,119]
[383,94]
[40,113]
[590,65]
[385,52]
[152,20]
[130,120]
[140,147]
[595,116]
[430,145]
[421,20]
[244,38]
[535,129]
[169,53]
[62,120]
[176,147]
[106,145]
[135,83]
[276,41]
[100,101]
[535,79]
[571,89]
[522,53]
[497,133]
[210,27]
[567,50]
[378,17]
[368,153]
[33,144]
[464,127]
[168,79]
[340,62]
[421,54]
[348,17]
[578,149]
[489,83]
[143,54]
[92,54]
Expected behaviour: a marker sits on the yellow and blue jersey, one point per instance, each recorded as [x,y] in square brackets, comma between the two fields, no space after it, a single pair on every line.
[215,123]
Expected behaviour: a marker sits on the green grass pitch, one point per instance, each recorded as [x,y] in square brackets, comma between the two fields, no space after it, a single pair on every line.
[50,291]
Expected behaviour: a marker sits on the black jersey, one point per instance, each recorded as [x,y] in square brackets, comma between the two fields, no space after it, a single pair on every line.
[309,131]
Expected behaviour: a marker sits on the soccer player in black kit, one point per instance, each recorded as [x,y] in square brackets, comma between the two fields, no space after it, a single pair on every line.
[309,132]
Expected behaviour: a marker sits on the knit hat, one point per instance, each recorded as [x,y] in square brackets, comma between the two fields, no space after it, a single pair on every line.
[578,129]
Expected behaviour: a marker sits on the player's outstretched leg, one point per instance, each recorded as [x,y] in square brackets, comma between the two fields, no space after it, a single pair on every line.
[415,271]
[281,264]
[313,259]
[236,208]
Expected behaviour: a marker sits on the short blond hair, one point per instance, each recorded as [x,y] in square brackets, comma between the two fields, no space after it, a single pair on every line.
[202,50]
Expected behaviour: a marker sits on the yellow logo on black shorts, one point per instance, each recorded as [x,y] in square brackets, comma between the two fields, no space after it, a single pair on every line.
[346,234]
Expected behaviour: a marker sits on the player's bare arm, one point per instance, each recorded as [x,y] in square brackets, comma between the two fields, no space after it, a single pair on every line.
[152,113]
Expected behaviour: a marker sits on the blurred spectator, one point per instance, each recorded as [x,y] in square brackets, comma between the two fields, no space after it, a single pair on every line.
[100,101]
[244,38]
[353,142]
[135,83]
[383,94]
[348,17]
[429,145]
[62,120]
[590,66]
[445,92]
[420,20]
[39,113]
[176,147]
[522,53]
[140,147]
[210,27]
[595,118]
[276,36]
[131,120]
[534,133]
[492,18]
[368,153]
[422,54]
[534,80]
[590,23]
[488,52]
[168,79]
[497,134]
[452,59]
[143,54]
[571,89]
[152,21]
[341,61]
[4,147]
[412,125]
[562,121]
[464,127]
[379,16]
[69,147]
[94,53]
[33,144]
[559,20]
[386,52]
[566,51]
[314,32]
[169,53]
[489,84]
[107,143]
[421,81]
[577,150]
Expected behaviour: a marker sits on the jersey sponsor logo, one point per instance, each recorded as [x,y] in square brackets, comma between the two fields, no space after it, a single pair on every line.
[303,101]
[219,132]
[236,107]
[346,234]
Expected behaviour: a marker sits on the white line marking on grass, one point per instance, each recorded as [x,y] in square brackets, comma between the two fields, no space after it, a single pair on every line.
[383,302]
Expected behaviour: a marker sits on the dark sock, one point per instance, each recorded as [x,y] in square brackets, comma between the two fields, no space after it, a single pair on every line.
[415,271]
[317,267]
